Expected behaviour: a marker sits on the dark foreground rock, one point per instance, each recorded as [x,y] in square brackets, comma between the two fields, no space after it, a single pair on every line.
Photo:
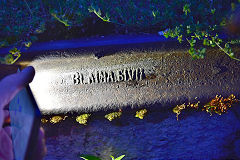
[196,135]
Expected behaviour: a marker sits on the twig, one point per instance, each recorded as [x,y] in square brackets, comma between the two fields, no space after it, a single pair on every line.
[226,52]
[28,8]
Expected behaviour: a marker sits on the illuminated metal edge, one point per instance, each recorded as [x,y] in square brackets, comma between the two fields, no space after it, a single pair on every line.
[171,76]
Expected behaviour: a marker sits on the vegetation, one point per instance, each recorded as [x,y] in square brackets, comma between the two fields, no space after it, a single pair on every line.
[179,108]
[140,114]
[113,115]
[218,105]
[82,119]
[204,25]
[90,157]
[200,23]
[57,119]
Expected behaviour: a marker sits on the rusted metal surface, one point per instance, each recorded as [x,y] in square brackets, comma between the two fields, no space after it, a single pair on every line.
[81,83]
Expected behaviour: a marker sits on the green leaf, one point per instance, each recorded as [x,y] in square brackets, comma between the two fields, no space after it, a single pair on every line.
[14,51]
[233,6]
[166,34]
[192,42]
[213,45]
[186,9]
[188,30]
[99,13]
[219,40]
[62,20]
[205,42]
[203,50]
[9,59]
[153,13]
[191,51]
[213,11]
[180,39]
[227,45]
[121,157]
[231,54]
[223,22]
[89,157]
[28,44]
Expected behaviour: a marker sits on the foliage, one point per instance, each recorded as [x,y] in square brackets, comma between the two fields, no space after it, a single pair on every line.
[82,119]
[196,22]
[140,114]
[90,157]
[118,158]
[44,120]
[203,25]
[113,115]
[179,108]
[18,23]
[218,105]
[21,22]
[99,14]
[12,57]
[57,119]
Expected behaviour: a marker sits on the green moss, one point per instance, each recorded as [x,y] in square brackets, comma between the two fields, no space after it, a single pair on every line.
[82,119]
[140,114]
[113,115]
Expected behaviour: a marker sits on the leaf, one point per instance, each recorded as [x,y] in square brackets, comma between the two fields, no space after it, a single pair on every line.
[64,21]
[227,45]
[213,11]
[189,29]
[9,59]
[82,119]
[223,22]
[202,50]
[113,115]
[180,39]
[121,157]
[28,44]
[233,6]
[205,42]
[166,34]
[140,114]
[99,12]
[14,51]
[89,157]
[186,9]
[213,45]
[191,51]
[231,54]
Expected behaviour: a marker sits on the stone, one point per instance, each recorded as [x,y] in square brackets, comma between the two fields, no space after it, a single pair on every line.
[237,148]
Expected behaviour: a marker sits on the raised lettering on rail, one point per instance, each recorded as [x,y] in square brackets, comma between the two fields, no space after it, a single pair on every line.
[102,76]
